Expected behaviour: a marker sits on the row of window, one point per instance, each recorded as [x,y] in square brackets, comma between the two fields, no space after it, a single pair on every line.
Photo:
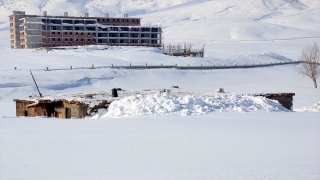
[81,28]
[111,34]
[118,20]
[76,28]
[70,33]
[71,40]
[73,21]
[67,21]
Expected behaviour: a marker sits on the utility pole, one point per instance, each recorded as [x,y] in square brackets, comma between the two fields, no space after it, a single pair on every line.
[36,84]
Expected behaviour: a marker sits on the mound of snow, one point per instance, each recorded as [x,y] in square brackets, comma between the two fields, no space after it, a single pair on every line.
[314,108]
[275,56]
[171,104]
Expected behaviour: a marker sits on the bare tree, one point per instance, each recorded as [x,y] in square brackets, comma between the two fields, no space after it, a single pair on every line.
[311,63]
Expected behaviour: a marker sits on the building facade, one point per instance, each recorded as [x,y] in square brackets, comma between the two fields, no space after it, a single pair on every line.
[32,31]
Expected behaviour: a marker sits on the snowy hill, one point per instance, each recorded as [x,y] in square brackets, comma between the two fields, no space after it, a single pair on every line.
[194,20]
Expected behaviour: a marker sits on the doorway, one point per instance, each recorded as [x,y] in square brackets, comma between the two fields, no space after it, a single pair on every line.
[68,113]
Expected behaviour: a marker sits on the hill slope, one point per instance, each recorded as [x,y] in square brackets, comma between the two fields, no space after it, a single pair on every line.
[194,20]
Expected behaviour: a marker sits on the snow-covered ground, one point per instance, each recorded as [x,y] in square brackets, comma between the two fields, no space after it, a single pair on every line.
[227,146]
[251,138]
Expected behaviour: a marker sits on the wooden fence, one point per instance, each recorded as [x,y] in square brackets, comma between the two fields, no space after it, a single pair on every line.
[200,67]
[224,66]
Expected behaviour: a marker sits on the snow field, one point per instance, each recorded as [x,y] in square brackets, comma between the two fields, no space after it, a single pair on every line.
[257,145]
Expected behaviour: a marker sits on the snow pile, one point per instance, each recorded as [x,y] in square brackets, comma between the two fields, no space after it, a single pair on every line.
[170,104]
[314,108]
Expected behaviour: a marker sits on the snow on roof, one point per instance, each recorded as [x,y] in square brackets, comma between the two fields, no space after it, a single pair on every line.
[172,101]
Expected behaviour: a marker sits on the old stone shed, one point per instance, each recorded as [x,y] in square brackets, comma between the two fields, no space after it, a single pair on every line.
[285,99]
[59,109]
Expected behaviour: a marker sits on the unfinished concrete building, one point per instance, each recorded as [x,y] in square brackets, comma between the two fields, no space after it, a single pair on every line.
[32,31]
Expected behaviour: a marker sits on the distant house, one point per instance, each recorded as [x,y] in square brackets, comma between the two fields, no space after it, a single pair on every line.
[33,31]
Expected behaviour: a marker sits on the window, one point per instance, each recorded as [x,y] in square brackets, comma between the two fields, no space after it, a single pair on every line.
[114,20]
[70,33]
[122,20]
[132,20]
[59,33]
[103,20]
[53,39]
[76,33]
[107,20]
[81,40]
[118,20]
[70,39]
[127,20]
[88,40]
[66,39]
[58,39]
[65,33]
[88,34]
[77,39]
[53,32]
[81,33]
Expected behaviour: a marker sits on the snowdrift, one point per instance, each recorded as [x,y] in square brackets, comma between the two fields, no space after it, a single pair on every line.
[314,108]
[167,103]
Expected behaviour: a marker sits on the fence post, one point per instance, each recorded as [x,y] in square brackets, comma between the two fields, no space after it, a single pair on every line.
[47,68]
[112,65]
[146,64]
[70,67]
[15,68]
[214,65]
[161,64]
[245,64]
[224,65]
[235,64]
[130,64]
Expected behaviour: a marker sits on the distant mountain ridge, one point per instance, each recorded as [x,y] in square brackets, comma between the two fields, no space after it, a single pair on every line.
[190,20]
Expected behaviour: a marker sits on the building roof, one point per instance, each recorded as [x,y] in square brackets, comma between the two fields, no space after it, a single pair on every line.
[72,17]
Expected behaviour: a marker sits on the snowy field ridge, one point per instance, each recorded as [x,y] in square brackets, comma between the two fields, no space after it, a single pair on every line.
[167,103]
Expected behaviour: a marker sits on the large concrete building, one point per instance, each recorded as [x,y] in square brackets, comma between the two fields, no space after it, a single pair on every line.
[33,31]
